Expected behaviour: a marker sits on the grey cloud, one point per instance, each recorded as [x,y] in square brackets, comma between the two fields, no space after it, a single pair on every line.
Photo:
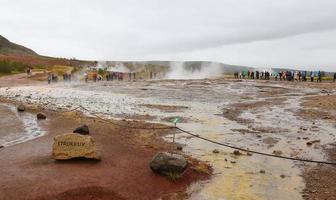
[132,29]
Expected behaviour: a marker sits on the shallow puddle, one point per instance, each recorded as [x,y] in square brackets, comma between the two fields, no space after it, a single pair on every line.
[17,127]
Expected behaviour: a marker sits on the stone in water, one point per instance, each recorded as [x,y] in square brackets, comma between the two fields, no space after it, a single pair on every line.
[74,145]
[21,108]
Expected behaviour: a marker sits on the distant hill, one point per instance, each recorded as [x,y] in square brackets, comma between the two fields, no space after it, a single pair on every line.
[10,48]
[25,57]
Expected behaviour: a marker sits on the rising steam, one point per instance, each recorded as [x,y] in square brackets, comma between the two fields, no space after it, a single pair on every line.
[180,70]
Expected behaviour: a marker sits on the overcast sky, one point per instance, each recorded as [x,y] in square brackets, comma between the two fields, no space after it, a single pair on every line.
[260,33]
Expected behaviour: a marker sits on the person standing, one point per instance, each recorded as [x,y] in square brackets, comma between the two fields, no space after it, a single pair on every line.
[28,71]
[49,78]
[95,77]
[311,76]
[86,77]
[319,76]
[304,74]
[334,77]
[296,76]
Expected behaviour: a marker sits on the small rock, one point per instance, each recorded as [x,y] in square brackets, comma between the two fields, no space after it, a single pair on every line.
[249,154]
[237,153]
[233,162]
[277,152]
[1,146]
[41,116]
[179,148]
[165,163]
[282,176]
[262,171]
[215,151]
[83,130]
[312,142]
[21,108]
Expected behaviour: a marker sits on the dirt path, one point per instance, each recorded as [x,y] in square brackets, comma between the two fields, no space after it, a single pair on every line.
[18,80]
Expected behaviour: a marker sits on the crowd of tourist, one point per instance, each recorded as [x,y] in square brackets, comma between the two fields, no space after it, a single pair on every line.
[281,75]
[247,74]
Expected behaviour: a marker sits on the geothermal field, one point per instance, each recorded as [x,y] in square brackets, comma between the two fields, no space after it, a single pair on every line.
[281,118]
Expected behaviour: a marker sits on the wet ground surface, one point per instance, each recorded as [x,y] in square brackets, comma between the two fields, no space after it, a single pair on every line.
[261,116]
[28,170]
[18,127]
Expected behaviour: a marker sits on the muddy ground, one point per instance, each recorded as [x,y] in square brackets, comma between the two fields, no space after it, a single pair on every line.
[28,170]
[320,182]
[319,178]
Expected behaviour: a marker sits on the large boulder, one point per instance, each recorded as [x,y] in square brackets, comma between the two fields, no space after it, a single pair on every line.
[21,108]
[74,145]
[165,163]
[83,130]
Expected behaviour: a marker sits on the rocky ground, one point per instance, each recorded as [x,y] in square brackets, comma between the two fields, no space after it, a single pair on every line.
[320,182]
[320,178]
[268,116]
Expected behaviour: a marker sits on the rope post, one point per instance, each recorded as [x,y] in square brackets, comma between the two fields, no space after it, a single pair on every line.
[175,121]
[174,134]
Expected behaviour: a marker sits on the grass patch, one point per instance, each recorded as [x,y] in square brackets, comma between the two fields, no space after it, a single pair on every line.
[202,168]
[9,67]
[328,78]
[60,69]
[173,176]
